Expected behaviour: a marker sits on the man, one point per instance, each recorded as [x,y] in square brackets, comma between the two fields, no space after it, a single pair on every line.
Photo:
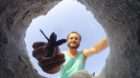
[74,60]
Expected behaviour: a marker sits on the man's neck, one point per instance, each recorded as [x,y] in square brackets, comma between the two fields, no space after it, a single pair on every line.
[73,52]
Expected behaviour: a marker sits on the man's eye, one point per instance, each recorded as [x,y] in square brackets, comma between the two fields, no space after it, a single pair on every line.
[76,38]
[71,38]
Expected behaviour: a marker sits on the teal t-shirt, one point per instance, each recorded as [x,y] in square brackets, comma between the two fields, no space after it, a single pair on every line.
[72,65]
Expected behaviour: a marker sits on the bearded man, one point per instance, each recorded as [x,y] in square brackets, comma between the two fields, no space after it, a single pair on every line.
[70,61]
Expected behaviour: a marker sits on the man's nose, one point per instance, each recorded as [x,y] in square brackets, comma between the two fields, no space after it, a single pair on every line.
[74,39]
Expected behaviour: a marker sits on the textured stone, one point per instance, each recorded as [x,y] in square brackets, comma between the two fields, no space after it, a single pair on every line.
[15,17]
[119,18]
[82,74]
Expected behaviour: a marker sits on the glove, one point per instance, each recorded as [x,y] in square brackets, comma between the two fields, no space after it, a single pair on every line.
[50,65]
[48,54]
[52,43]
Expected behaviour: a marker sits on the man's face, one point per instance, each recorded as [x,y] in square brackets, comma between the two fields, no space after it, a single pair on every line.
[73,40]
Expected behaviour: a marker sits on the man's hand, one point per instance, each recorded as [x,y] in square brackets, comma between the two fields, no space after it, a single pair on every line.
[48,64]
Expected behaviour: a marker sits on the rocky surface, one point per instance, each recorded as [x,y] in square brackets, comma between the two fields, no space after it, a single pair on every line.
[119,18]
[83,74]
[15,17]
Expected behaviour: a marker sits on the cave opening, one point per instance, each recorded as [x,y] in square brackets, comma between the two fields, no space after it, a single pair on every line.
[67,16]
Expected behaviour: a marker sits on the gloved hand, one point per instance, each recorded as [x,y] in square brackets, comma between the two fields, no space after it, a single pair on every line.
[48,54]
[48,64]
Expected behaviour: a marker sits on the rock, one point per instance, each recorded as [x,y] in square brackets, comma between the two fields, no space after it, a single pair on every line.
[15,17]
[82,74]
[119,18]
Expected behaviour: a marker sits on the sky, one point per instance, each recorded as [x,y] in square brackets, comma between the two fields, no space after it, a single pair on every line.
[65,17]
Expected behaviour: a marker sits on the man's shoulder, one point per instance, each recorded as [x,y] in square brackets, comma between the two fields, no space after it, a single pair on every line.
[80,51]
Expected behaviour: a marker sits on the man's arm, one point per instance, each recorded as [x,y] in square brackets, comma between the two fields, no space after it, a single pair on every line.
[98,47]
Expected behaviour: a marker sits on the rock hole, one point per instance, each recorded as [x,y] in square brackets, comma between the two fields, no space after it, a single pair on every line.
[67,16]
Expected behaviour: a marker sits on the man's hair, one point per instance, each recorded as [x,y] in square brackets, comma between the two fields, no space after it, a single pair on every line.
[74,33]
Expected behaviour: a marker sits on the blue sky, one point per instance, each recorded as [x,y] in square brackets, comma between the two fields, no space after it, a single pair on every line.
[68,16]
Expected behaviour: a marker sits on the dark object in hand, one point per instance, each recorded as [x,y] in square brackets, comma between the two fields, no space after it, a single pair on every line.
[52,43]
[48,54]
[50,65]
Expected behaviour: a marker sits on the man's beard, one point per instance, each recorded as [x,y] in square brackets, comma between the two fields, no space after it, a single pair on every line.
[74,47]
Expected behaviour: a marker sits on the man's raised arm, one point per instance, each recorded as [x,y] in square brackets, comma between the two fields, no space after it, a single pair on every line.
[98,47]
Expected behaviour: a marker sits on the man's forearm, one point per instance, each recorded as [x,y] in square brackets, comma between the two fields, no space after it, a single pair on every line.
[101,45]
[98,47]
